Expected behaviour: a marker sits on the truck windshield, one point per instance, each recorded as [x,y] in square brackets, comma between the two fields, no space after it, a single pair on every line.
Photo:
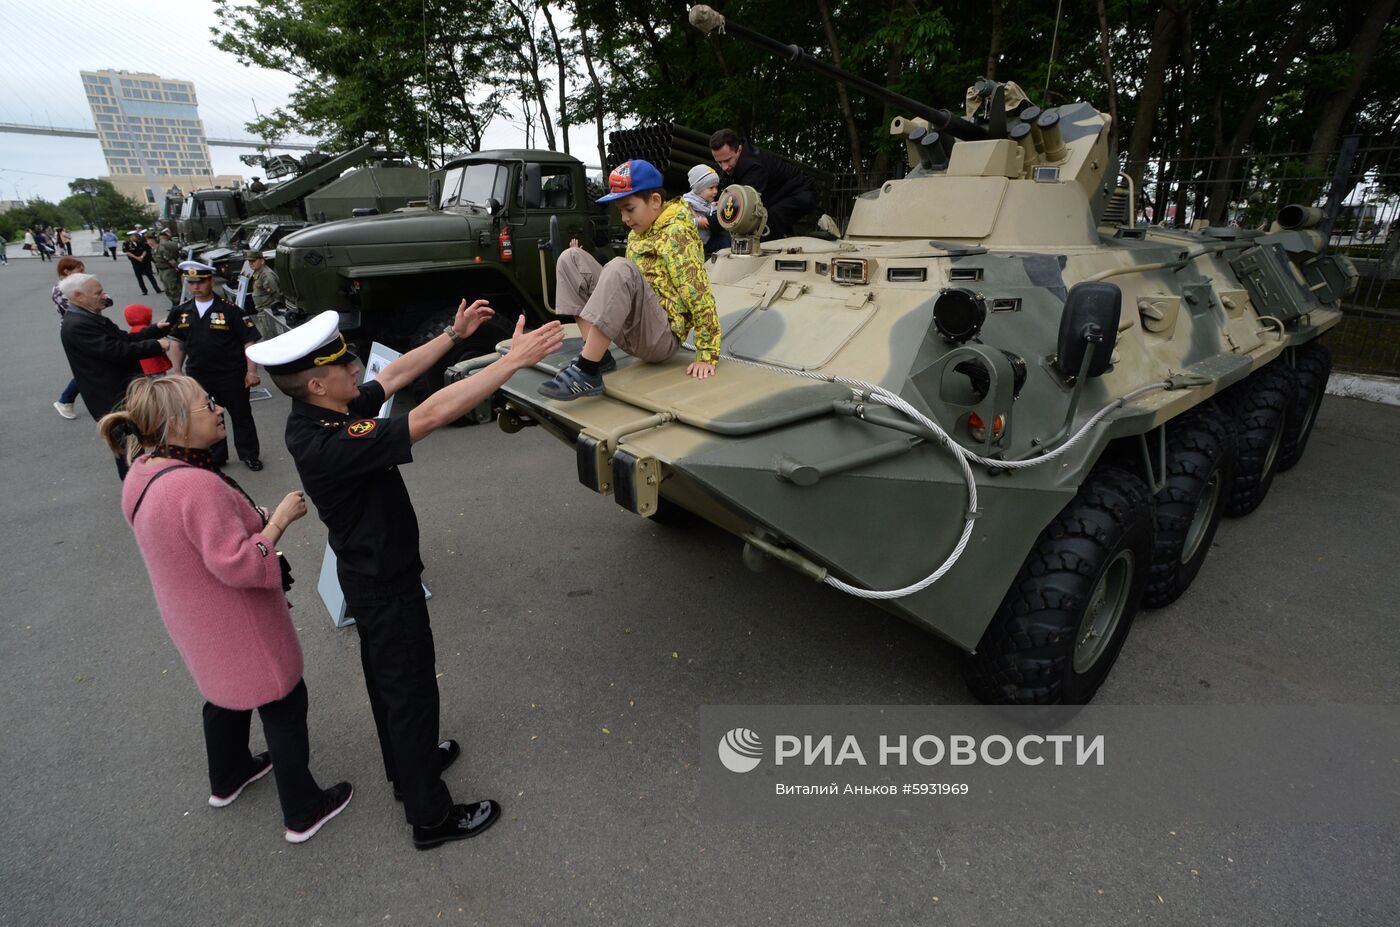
[473,185]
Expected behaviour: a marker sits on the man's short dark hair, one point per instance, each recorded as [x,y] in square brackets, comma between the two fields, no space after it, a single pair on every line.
[725,137]
[293,384]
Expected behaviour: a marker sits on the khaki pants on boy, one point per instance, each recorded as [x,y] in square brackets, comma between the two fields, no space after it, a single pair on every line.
[617,301]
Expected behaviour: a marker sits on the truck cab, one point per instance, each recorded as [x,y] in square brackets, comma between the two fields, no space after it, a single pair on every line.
[494,222]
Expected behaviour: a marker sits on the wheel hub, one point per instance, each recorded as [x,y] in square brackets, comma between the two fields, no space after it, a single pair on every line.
[1201,518]
[1104,611]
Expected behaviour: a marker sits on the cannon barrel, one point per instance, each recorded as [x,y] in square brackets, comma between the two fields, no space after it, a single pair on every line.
[708,21]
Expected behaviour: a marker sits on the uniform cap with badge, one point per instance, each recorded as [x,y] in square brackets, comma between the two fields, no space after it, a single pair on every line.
[316,343]
[251,255]
[196,270]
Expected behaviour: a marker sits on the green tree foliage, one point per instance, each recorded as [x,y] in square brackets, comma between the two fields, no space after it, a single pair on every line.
[1231,78]
[415,74]
[106,208]
[35,214]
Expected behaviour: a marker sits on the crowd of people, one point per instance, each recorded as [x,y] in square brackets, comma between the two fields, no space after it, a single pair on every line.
[159,391]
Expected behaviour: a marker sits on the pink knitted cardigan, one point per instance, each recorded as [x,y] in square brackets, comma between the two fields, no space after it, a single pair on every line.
[217,584]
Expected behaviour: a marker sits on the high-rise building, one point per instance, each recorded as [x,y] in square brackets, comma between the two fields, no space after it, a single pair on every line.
[151,133]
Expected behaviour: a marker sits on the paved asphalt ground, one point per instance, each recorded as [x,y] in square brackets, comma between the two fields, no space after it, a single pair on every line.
[540,649]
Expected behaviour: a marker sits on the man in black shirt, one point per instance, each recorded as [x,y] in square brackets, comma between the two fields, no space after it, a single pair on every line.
[139,253]
[210,335]
[787,192]
[348,460]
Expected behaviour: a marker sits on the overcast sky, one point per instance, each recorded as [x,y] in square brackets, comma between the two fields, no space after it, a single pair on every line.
[47,44]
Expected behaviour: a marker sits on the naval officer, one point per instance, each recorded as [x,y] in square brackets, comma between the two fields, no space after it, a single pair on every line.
[348,460]
[208,336]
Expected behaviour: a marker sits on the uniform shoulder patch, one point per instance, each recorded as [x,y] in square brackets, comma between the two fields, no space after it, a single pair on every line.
[362,428]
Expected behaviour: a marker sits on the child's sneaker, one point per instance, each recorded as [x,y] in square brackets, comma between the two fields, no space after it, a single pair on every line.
[571,383]
[65,409]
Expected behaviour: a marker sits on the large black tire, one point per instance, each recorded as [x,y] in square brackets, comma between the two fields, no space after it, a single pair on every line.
[482,341]
[1201,456]
[1258,409]
[1312,365]
[1059,630]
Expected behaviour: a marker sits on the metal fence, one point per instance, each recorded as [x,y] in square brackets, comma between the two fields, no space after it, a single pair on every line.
[1359,189]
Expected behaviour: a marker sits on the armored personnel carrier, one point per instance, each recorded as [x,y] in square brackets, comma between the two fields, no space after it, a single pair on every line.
[995,406]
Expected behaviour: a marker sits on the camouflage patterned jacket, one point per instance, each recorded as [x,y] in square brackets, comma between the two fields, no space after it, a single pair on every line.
[671,259]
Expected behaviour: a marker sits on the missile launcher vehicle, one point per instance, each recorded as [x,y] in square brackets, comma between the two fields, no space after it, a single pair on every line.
[995,406]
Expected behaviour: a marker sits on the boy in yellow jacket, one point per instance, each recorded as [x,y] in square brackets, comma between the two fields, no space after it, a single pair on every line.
[646,303]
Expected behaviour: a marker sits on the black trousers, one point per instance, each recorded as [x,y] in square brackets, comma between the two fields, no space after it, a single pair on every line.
[284,727]
[229,392]
[148,273]
[396,651]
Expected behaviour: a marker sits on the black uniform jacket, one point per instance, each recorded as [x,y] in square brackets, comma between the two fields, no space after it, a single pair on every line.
[103,357]
[141,250]
[772,177]
[348,463]
[214,343]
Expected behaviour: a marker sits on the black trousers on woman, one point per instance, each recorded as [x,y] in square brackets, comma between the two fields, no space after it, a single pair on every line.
[284,726]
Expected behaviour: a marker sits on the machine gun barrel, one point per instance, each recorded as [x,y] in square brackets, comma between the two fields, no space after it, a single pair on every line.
[708,21]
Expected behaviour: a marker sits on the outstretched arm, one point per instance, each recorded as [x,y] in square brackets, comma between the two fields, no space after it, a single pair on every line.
[455,400]
[412,365]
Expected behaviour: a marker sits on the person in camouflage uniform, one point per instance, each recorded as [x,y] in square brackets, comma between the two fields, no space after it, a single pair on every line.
[265,290]
[648,302]
[167,258]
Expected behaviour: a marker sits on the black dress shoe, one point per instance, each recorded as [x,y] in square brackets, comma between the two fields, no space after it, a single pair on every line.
[462,821]
[253,464]
[448,751]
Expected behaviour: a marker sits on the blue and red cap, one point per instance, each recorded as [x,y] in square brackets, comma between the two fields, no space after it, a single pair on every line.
[635,176]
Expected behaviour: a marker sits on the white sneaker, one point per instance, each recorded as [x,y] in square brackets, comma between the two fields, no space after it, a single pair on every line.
[65,409]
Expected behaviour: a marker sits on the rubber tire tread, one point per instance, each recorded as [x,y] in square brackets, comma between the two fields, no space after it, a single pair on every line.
[1198,444]
[1312,366]
[1025,656]
[481,342]
[1257,408]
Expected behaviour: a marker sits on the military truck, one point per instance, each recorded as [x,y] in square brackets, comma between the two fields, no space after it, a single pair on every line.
[494,222]
[207,215]
[996,406]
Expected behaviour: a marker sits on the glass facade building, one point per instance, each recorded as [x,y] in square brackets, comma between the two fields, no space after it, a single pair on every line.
[150,132]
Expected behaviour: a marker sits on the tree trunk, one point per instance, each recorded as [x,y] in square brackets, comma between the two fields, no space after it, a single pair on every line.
[598,109]
[842,97]
[563,83]
[1363,51]
[1221,189]
[1163,35]
[994,48]
[1184,119]
[530,58]
[882,168]
[1107,74]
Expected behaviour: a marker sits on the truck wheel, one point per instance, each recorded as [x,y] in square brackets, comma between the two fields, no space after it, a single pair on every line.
[482,341]
[1312,367]
[1063,621]
[1258,408]
[1200,462]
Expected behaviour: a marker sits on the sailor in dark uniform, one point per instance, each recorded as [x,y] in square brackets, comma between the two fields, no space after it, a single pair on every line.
[209,336]
[348,459]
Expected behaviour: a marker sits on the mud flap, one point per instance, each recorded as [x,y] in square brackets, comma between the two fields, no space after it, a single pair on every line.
[636,482]
[594,463]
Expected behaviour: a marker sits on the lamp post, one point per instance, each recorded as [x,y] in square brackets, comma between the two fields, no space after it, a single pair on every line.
[90,189]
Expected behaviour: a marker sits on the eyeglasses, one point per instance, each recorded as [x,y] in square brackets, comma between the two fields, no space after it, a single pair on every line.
[209,404]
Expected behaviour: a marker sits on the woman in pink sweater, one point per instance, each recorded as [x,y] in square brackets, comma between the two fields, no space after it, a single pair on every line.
[211,554]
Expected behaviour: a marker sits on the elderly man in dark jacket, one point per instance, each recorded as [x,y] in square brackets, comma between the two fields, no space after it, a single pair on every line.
[103,357]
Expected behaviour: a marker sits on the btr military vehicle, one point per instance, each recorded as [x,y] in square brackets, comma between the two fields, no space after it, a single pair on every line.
[996,405]
[494,223]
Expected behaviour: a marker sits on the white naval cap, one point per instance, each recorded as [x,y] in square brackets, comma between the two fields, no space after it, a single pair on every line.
[134,232]
[196,269]
[315,343]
